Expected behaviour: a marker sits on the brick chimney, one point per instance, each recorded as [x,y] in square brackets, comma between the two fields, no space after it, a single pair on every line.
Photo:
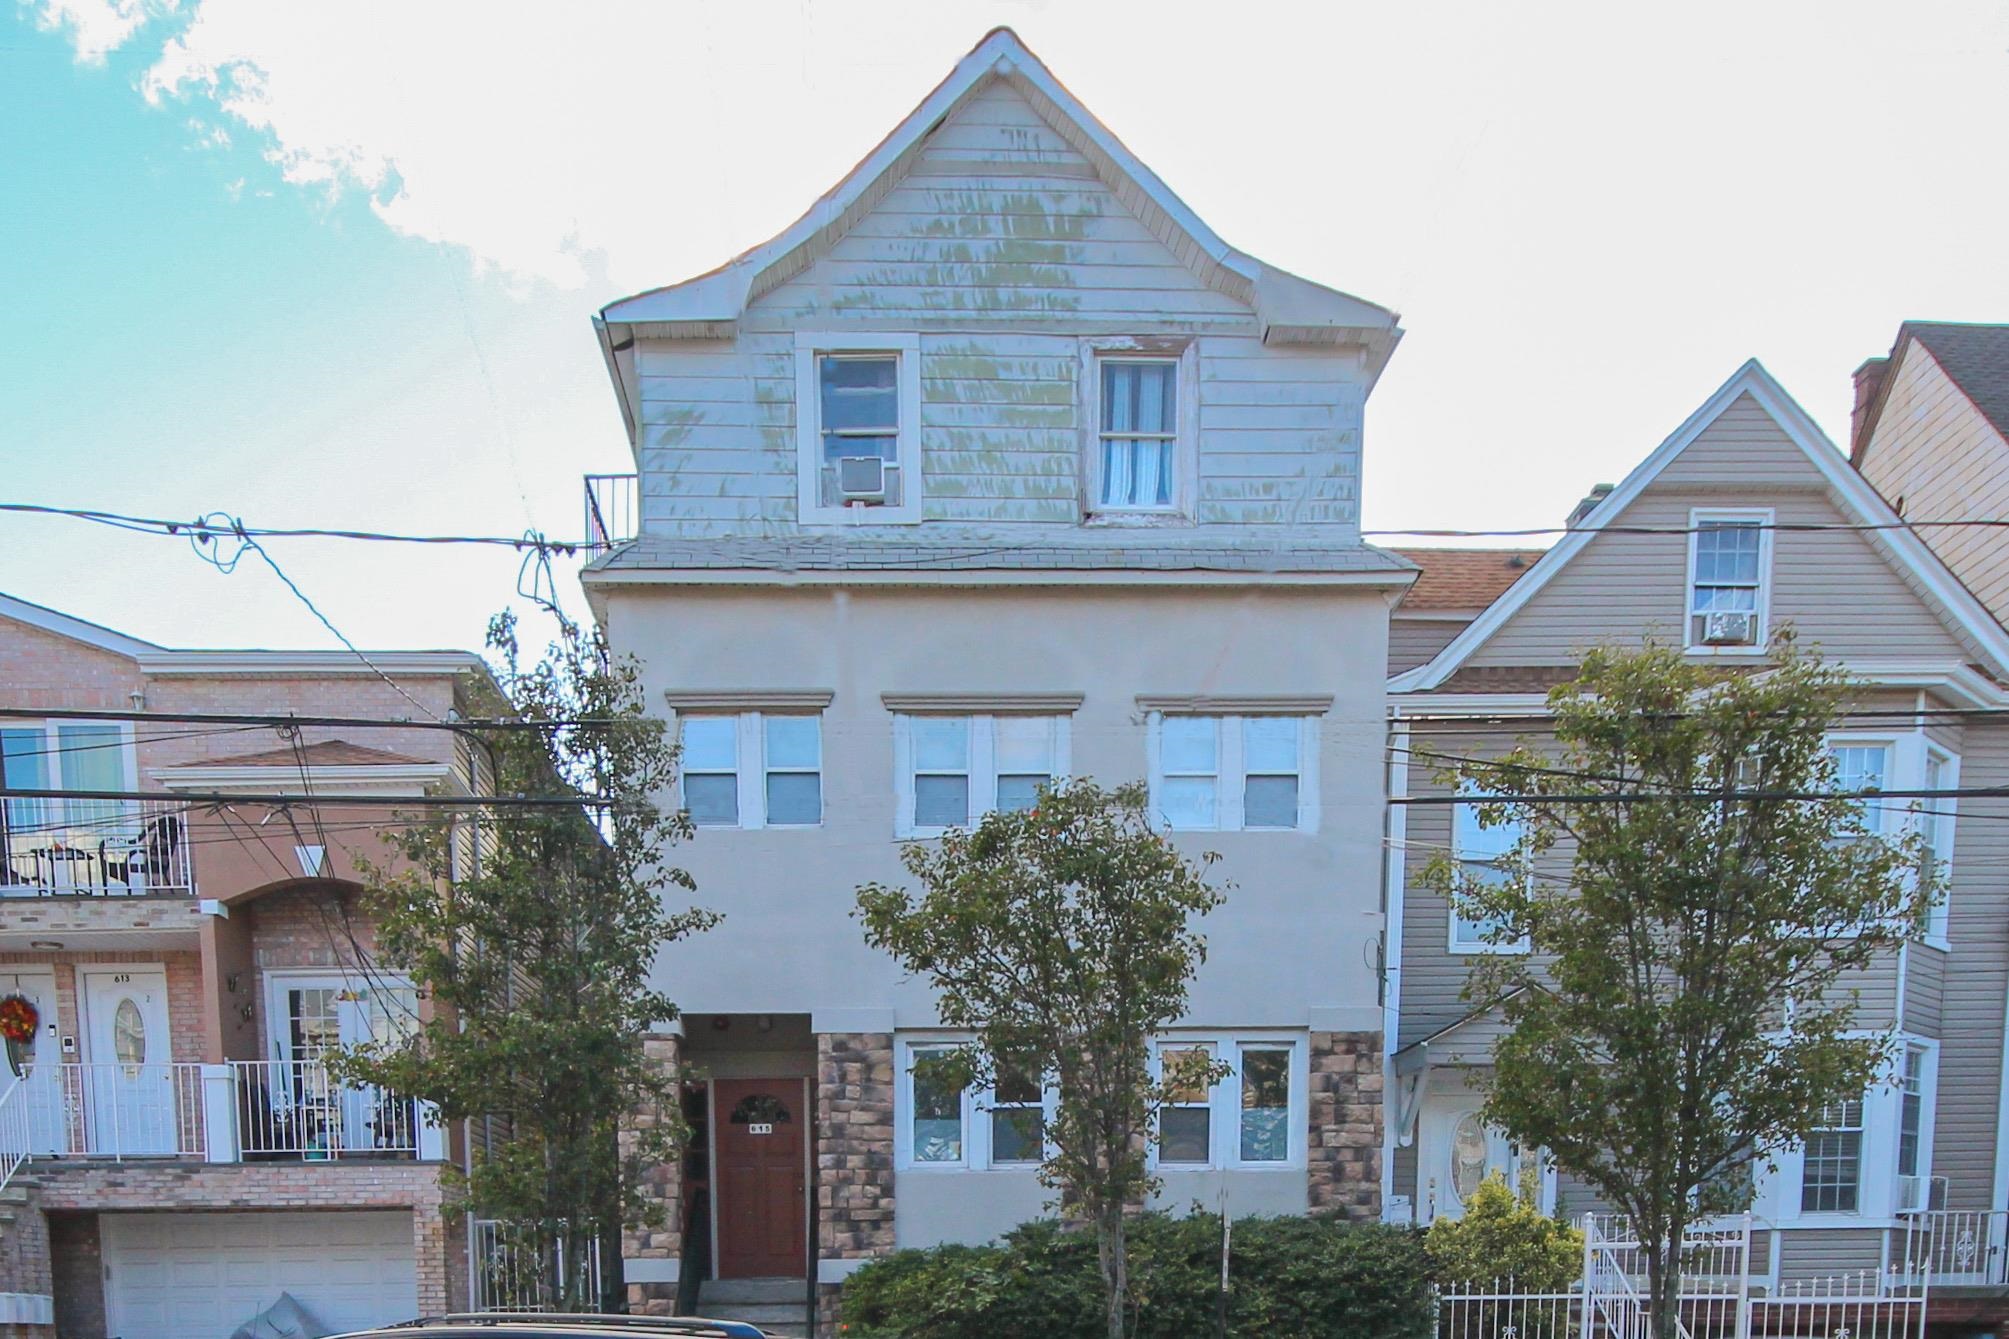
[1869,380]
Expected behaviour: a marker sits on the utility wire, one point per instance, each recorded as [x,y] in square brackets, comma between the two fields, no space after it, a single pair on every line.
[534,542]
[282,800]
[462,725]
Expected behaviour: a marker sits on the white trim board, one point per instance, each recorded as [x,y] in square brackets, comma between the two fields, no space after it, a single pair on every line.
[1912,559]
[71,627]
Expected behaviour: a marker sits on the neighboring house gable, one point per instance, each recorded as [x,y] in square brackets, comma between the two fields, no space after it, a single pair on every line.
[1871,594]
[1932,434]
[1455,587]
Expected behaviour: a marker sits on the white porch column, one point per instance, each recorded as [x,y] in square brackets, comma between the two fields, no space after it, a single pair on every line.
[432,1135]
[219,1113]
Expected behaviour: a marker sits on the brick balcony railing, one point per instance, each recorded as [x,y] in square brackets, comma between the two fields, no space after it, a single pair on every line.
[94,848]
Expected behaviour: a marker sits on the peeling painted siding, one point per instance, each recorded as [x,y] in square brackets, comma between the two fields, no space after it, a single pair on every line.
[1002,249]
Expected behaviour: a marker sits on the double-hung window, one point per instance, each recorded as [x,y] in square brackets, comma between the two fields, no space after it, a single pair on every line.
[1864,768]
[753,769]
[858,402]
[1831,1165]
[1254,1117]
[951,770]
[1138,411]
[1482,853]
[1729,572]
[1234,772]
[942,1126]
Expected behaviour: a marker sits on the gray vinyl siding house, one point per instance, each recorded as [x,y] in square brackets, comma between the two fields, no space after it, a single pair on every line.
[1872,598]
[997,465]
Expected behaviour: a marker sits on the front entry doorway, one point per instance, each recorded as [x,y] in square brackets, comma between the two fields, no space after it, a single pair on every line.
[761,1177]
[133,1096]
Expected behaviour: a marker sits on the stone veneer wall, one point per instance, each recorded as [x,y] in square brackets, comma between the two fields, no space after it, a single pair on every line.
[854,1155]
[663,1186]
[1345,1146]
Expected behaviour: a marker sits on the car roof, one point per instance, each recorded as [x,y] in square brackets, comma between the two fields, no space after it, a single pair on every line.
[553,1325]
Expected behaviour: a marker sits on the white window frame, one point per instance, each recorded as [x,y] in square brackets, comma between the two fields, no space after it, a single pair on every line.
[1899,767]
[1782,1186]
[1464,815]
[983,763]
[1764,518]
[1927,1049]
[279,981]
[976,1107]
[809,346]
[1946,820]
[750,768]
[1186,439]
[1230,775]
[1224,1105]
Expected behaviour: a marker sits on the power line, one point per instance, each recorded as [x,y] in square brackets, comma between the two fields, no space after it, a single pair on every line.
[279,801]
[464,725]
[209,527]
[1709,796]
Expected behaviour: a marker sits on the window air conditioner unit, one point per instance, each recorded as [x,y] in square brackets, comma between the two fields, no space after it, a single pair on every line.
[1914,1194]
[1723,628]
[861,479]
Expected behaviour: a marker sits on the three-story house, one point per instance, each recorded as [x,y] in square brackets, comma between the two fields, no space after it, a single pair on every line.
[997,467]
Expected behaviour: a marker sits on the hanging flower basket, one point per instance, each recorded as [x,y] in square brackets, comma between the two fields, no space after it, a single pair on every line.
[18,1019]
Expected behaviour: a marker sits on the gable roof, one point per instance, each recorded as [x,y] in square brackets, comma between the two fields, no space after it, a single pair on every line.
[1463,580]
[1290,309]
[1974,357]
[327,753]
[72,627]
[1859,503]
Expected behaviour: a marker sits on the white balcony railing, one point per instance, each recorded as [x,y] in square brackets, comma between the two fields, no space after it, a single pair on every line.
[1953,1247]
[613,511]
[246,1111]
[94,848]
[295,1108]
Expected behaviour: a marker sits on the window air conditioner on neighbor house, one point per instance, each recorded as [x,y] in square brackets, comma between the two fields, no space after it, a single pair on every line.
[861,479]
[1920,1194]
[1724,628]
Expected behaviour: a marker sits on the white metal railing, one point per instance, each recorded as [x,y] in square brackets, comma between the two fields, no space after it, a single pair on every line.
[1612,1301]
[14,1141]
[613,511]
[1499,1310]
[297,1108]
[1861,1305]
[94,848]
[1958,1247]
[110,1111]
[507,1265]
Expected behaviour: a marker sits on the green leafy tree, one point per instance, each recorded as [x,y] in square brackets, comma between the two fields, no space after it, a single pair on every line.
[1504,1235]
[1695,893]
[534,931]
[1062,938]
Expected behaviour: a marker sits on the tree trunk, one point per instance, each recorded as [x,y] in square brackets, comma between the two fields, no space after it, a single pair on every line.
[1111,1252]
[1663,1284]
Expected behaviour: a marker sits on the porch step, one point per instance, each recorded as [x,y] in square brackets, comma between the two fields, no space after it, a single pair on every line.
[778,1306]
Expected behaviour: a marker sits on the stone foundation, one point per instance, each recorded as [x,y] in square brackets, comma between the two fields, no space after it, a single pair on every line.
[854,1155]
[1344,1150]
[662,1186]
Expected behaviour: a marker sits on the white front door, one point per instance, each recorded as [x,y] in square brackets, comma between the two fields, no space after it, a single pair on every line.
[35,1062]
[1456,1149]
[128,1089]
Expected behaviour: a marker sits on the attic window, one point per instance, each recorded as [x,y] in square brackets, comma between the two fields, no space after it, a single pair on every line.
[858,404]
[1729,574]
[1140,460]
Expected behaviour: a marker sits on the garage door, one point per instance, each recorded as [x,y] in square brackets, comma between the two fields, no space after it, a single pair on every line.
[201,1275]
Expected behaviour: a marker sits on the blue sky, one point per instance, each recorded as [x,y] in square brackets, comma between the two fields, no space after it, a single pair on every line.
[260,258]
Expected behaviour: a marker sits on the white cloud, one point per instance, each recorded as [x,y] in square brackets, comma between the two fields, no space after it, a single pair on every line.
[97,27]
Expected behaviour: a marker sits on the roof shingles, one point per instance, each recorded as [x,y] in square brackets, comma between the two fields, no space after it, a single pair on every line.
[1463,580]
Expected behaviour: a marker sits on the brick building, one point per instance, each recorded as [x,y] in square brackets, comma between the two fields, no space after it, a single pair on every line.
[187,962]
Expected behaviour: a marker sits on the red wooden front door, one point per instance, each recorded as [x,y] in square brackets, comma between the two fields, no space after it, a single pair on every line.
[758,1128]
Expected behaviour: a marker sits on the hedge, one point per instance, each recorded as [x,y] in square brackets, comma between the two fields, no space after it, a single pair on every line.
[1289,1278]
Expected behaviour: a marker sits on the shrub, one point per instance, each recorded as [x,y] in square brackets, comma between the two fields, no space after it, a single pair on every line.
[1293,1278]
[1505,1236]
